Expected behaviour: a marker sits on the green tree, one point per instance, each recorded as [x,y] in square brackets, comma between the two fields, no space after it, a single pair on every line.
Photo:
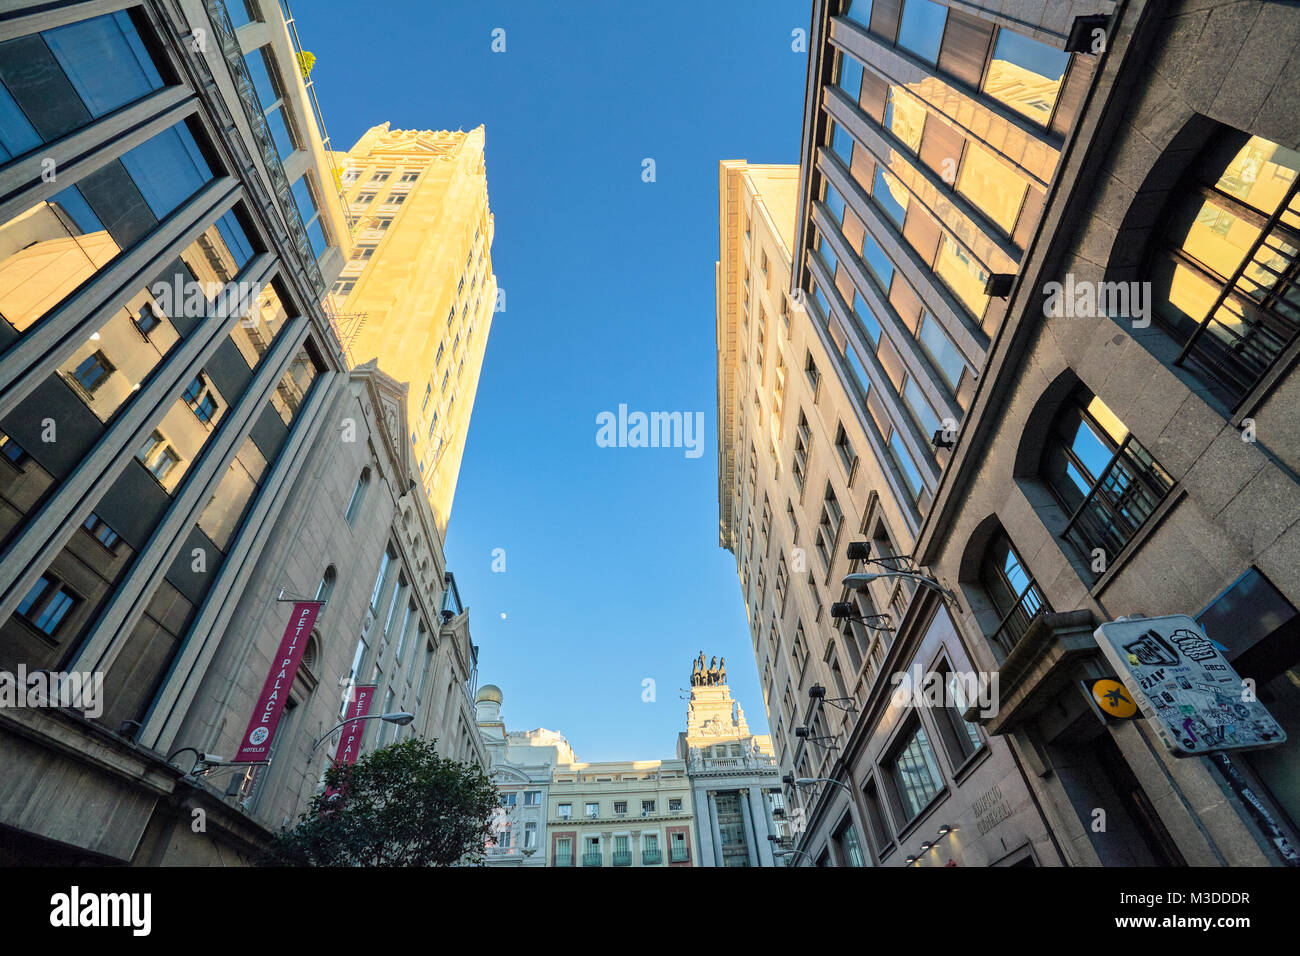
[306,60]
[401,805]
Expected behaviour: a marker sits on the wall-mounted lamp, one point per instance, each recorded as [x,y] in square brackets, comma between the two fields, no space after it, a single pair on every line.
[861,580]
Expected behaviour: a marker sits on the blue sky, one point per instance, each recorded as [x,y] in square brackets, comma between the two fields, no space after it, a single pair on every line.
[613,570]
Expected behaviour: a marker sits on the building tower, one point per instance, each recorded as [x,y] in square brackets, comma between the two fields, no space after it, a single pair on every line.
[418,292]
[735,783]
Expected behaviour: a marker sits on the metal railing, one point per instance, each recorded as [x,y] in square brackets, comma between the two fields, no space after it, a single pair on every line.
[564,859]
[622,858]
[1256,315]
[1016,621]
[1124,496]
[591,859]
[248,98]
[291,22]
[651,857]
[679,855]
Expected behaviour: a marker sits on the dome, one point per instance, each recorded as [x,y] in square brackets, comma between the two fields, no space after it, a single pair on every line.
[488,692]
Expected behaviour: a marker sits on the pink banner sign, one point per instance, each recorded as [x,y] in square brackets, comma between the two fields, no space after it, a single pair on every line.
[256,744]
[350,742]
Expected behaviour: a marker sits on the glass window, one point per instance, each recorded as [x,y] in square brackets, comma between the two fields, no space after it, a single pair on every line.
[866,319]
[1105,479]
[1011,590]
[859,11]
[921,411]
[103,61]
[842,145]
[941,349]
[891,196]
[921,28]
[168,169]
[280,132]
[850,76]
[879,264]
[962,275]
[835,203]
[1025,75]
[905,117]
[260,70]
[827,254]
[859,373]
[916,775]
[906,465]
[850,847]
[994,188]
[1217,237]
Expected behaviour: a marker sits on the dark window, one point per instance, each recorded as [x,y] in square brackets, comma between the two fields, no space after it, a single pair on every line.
[1012,591]
[1105,479]
[148,319]
[915,775]
[101,532]
[93,371]
[960,738]
[14,453]
[47,604]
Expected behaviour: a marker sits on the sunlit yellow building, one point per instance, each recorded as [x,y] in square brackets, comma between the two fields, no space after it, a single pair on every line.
[418,292]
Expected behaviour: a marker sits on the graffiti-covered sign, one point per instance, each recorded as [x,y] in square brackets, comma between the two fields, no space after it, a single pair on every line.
[1186,687]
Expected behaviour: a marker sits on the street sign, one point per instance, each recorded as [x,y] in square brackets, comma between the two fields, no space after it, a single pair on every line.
[1180,681]
[1113,699]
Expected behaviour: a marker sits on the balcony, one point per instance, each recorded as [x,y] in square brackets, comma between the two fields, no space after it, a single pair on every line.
[622,858]
[679,855]
[651,857]
[591,859]
[564,859]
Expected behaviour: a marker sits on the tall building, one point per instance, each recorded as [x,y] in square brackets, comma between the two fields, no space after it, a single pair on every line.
[735,784]
[171,390]
[620,813]
[797,480]
[1046,258]
[418,292]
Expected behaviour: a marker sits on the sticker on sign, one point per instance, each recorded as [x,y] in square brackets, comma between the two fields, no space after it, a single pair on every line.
[1186,687]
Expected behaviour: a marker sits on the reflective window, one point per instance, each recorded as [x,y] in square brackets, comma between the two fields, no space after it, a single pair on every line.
[866,319]
[962,274]
[101,60]
[221,516]
[850,76]
[906,465]
[994,188]
[921,411]
[859,372]
[880,265]
[1224,287]
[835,203]
[941,350]
[891,196]
[915,771]
[1015,597]
[280,134]
[905,117]
[921,28]
[841,143]
[1105,479]
[827,253]
[1025,75]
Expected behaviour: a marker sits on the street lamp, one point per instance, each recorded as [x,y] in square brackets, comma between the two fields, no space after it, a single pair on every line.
[862,579]
[809,781]
[401,718]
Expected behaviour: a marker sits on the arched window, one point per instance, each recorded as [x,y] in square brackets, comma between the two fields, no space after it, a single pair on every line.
[1106,481]
[358,496]
[1224,276]
[326,586]
[1011,589]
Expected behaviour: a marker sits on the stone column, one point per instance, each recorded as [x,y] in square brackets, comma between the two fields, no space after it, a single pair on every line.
[715,836]
[747,819]
[762,826]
